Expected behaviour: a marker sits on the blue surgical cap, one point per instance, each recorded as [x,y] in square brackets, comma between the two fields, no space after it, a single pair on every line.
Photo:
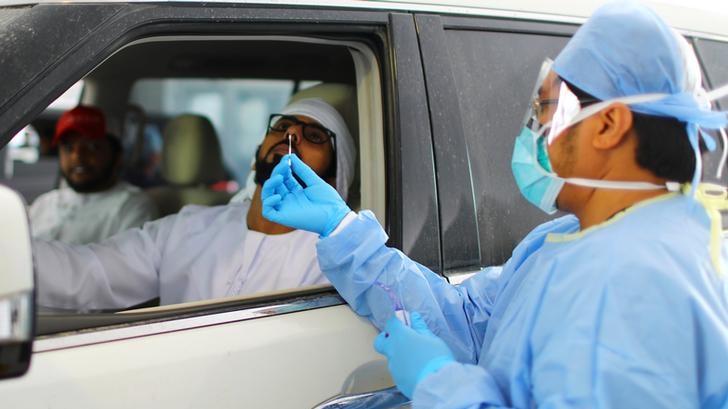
[626,49]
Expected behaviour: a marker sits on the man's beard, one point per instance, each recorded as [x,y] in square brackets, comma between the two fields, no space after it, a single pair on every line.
[263,169]
[102,182]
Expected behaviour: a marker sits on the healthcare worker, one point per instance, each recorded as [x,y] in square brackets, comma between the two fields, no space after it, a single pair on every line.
[207,252]
[621,304]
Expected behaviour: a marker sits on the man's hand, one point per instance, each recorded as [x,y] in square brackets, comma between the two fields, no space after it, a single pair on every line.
[317,208]
[413,352]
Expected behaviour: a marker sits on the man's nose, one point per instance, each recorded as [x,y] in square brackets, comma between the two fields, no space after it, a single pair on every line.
[75,152]
[296,132]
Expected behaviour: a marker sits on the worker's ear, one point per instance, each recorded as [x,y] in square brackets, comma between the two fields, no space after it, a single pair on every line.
[613,127]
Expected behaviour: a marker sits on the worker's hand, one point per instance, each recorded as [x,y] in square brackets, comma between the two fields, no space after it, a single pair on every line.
[413,352]
[317,207]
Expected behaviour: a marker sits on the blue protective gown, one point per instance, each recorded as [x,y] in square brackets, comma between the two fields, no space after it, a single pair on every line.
[628,314]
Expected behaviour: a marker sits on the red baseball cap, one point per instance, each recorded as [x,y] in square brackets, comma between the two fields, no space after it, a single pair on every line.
[89,122]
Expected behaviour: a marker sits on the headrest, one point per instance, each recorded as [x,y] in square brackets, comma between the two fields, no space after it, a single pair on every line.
[191,152]
[340,96]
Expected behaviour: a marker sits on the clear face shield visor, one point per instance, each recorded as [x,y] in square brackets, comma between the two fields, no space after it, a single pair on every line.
[554,107]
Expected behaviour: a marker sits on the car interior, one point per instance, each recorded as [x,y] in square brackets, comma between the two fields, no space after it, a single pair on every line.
[189,112]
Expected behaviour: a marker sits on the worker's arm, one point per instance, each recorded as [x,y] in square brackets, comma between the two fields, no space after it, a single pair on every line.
[631,339]
[356,261]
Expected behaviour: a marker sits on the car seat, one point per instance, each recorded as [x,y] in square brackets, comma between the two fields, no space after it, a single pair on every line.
[191,163]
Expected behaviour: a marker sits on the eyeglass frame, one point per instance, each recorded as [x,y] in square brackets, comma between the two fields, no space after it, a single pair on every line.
[537,104]
[328,132]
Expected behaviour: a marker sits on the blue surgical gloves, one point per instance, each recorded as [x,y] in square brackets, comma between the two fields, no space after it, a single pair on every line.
[413,352]
[316,208]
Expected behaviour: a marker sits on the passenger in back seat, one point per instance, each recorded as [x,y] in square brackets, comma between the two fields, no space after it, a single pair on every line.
[93,204]
[207,252]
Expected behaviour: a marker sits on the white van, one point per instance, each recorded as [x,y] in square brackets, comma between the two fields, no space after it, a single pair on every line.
[439,92]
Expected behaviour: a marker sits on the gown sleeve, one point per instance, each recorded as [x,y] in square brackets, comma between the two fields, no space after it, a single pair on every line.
[360,266]
[615,337]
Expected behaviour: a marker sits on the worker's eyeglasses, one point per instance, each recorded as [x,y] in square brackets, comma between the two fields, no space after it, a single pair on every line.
[539,105]
[314,133]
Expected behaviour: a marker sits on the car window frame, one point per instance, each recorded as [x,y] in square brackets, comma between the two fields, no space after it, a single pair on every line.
[132,22]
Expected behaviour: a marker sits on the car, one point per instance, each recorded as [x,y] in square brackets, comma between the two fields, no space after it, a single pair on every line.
[440,88]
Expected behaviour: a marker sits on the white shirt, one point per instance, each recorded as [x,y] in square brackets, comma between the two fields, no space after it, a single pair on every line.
[199,253]
[79,218]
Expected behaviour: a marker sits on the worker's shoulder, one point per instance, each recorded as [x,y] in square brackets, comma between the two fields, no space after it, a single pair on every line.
[662,238]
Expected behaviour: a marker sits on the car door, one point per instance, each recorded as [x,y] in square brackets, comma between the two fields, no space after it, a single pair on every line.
[478,72]
[291,348]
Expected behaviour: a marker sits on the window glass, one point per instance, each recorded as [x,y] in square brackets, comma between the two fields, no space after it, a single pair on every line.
[714,56]
[237,108]
[29,164]
[208,252]
[68,99]
[494,75]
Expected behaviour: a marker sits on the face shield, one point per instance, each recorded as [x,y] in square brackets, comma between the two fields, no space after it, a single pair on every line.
[553,109]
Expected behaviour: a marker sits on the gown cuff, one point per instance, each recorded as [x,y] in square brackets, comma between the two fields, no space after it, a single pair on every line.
[458,385]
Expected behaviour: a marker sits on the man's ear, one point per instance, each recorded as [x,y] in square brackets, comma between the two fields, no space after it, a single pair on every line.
[615,124]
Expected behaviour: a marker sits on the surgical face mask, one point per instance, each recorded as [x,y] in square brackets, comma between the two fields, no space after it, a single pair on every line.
[553,110]
[532,170]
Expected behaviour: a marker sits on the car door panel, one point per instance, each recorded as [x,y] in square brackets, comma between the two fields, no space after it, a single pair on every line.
[292,360]
[225,358]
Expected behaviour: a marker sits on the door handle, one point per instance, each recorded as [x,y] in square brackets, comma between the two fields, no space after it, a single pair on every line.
[389,398]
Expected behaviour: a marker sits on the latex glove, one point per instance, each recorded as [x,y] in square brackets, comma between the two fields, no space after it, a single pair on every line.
[318,208]
[413,352]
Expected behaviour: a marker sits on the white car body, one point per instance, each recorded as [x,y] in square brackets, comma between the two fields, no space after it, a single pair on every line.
[283,350]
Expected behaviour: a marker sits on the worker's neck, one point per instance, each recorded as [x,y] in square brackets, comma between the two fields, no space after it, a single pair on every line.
[257,222]
[602,204]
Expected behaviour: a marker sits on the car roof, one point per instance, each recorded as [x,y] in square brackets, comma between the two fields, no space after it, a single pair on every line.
[702,18]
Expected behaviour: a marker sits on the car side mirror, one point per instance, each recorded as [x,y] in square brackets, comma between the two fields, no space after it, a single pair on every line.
[17,302]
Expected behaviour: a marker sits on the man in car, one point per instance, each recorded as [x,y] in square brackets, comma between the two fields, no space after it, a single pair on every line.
[623,303]
[207,252]
[92,203]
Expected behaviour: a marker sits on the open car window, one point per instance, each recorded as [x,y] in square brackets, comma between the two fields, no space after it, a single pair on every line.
[234,84]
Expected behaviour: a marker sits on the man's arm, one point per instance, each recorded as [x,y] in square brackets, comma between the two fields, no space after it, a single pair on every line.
[116,273]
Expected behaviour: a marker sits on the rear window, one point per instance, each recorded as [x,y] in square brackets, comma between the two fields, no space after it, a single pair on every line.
[234,106]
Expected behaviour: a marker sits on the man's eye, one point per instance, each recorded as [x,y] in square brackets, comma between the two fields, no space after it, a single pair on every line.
[316,135]
[282,125]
